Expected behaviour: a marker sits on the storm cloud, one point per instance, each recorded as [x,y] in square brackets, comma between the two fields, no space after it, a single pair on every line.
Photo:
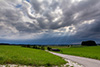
[47,20]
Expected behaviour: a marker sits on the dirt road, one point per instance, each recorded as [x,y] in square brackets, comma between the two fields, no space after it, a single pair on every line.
[86,62]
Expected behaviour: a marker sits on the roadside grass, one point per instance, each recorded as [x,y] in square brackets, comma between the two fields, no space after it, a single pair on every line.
[28,56]
[83,51]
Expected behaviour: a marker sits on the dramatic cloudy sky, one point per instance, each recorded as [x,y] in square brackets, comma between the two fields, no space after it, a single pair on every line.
[49,21]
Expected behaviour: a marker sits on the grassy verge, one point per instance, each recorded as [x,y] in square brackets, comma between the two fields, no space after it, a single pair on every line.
[27,56]
[89,52]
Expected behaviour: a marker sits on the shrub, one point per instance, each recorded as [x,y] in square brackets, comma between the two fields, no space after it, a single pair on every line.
[42,48]
[34,46]
[49,48]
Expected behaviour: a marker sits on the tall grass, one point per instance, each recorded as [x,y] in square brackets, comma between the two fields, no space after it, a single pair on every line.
[27,56]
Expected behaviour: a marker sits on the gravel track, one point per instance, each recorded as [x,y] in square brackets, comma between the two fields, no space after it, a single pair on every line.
[86,62]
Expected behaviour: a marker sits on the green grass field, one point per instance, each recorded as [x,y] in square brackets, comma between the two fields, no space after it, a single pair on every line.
[90,52]
[27,56]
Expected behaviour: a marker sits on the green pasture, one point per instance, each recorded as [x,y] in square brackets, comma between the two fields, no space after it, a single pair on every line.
[85,51]
[27,56]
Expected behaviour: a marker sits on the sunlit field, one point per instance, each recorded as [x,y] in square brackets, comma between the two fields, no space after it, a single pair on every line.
[90,51]
[27,56]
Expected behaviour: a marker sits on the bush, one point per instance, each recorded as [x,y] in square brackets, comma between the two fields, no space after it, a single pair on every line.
[28,46]
[42,48]
[34,46]
[49,48]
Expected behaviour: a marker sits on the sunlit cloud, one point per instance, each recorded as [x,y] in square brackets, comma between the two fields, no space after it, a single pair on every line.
[42,19]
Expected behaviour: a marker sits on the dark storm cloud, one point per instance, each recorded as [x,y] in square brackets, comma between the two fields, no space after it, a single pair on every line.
[86,10]
[36,5]
[90,31]
[51,18]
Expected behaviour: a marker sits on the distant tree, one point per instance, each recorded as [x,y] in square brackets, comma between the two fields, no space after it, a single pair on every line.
[88,43]
[28,46]
[49,48]
[42,48]
[35,46]
[23,45]
[68,45]
[5,44]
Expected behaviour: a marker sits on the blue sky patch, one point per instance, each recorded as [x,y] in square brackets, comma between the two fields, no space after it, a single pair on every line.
[28,0]
[18,6]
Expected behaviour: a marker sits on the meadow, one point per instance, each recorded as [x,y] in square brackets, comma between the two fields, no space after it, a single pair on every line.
[28,56]
[83,51]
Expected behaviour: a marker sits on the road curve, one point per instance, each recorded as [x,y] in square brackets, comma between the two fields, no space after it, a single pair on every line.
[86,62]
